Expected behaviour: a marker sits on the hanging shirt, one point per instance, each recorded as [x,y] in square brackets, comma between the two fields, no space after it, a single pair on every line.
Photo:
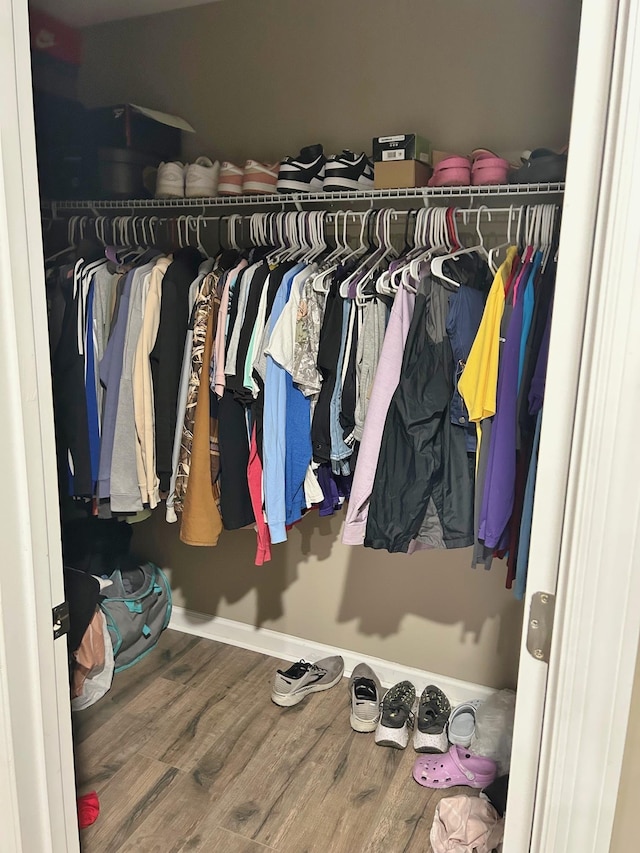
[93,421]
[328,354]
[183,391]
[370,342]
[479,380]
[221,330]
[110,373]
[340,451]
[274,428]
[125,489]
[166,356]
[527,312]
[499,489]
[143,387]
[384,384]
[466,306]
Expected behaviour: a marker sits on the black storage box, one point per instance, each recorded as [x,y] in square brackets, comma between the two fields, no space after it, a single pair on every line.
[127,138]
[138,129]
[67,163]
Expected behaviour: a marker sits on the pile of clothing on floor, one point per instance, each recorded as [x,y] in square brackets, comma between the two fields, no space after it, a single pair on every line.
[118,605]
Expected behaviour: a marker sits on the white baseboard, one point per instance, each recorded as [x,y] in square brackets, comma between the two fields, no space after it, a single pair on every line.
[286,647]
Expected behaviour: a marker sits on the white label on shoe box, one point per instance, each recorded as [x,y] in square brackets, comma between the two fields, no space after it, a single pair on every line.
[400,138]
[394,154]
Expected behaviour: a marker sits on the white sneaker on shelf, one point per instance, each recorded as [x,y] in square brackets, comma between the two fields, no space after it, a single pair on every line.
[202,178]
[170,180]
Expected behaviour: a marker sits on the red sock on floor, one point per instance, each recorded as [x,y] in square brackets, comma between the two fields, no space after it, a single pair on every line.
[88,809]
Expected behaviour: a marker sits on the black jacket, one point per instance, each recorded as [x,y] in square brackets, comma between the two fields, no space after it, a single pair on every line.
[166,356]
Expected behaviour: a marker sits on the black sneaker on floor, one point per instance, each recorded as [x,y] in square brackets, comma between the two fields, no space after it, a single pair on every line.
[348,171]
[303,174]
[396,718]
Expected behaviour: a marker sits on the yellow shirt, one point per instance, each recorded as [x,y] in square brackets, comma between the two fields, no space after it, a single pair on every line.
[479,381]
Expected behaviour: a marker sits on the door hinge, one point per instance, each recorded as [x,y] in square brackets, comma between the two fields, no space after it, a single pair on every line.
[540,628]
[60,620]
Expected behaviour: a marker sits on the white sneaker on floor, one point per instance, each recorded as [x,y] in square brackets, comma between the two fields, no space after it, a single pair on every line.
[366,696]
[202,178]
[170,180]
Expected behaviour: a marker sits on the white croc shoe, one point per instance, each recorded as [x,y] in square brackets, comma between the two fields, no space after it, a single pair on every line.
[170,180]
[202,178]
[462,723]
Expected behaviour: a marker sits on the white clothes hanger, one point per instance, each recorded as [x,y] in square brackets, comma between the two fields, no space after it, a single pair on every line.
[343,250]
[493,253]
[436,239]
[437,262]
[387,250]
[389,282]
[71,238]
[370,260]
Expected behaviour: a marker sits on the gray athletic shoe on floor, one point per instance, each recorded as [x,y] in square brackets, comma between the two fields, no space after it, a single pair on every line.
[366,696]
[292,685]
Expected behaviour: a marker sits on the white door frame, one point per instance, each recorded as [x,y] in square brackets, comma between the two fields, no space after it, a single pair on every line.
[36,716]
[587,706]
[576,287]
[595,643]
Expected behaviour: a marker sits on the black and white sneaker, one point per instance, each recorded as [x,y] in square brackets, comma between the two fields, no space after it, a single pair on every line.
[303,174]
[348,171]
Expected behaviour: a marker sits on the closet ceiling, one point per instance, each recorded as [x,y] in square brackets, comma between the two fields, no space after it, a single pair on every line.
[80,13]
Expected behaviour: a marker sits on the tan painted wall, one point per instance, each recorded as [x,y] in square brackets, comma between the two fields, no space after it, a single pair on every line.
[428,610]
[260,78]
[625,828]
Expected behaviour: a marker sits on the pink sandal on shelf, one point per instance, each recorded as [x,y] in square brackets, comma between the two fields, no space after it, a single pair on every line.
[451,172]
[457,767]
[488,168]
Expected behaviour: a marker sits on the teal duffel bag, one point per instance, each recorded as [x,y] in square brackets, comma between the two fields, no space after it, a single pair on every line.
[137,607]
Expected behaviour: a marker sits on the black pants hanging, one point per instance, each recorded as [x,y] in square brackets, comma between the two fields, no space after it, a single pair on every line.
[235,500]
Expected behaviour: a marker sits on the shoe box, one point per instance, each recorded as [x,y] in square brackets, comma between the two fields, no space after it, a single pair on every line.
[128,137]
[401,174]
[66,160]
[406,146]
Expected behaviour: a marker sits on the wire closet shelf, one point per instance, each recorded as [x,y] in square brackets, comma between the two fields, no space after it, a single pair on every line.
[426,194]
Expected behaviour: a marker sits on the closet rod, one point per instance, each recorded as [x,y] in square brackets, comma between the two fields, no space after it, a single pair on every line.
[356,214]
[297,199]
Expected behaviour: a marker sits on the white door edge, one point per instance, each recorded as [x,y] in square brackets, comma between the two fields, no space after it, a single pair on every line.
[580,209]
[31,567]
[598,614]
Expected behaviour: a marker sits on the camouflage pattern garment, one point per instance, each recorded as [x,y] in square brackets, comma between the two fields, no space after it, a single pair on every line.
[309,319]
[207,301]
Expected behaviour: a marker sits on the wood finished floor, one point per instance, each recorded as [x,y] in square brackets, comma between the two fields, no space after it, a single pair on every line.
[188,753]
